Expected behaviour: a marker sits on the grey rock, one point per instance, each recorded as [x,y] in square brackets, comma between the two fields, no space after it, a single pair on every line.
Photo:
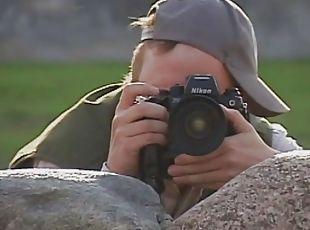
[38,199]
[274,194]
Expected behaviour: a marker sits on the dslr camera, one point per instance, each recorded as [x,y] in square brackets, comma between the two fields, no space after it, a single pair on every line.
[197,124]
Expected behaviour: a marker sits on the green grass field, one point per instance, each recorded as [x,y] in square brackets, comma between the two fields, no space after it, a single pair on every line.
[32,94]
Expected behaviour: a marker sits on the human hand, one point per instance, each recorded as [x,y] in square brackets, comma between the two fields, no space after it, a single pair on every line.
[235,154]
[133,127]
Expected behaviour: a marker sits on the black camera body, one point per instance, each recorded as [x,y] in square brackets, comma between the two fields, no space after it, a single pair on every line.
[197,124]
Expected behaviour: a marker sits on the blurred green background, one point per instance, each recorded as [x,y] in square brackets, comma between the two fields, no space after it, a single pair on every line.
[33,94]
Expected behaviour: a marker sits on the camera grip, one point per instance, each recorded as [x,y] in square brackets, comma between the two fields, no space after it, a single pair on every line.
[149,167]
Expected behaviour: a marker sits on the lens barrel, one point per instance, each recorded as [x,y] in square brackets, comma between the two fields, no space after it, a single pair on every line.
[197,126]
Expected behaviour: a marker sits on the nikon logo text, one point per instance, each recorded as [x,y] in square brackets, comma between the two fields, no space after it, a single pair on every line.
[201,91]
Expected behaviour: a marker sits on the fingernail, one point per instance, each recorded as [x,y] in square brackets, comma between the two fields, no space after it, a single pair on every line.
[170,170]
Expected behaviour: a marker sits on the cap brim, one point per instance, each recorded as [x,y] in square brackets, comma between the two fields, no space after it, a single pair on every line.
[262,101]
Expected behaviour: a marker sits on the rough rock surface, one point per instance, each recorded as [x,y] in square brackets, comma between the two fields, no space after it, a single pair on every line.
[76,199]
[274,194]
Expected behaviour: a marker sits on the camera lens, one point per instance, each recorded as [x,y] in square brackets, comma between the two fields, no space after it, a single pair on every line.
[196,125]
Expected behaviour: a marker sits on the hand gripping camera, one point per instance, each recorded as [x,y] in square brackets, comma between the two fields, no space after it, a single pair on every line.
[197,125]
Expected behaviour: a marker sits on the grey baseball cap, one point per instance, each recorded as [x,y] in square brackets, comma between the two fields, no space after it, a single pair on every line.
[221,29]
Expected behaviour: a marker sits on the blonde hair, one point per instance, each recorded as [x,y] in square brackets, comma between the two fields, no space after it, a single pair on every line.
[138,53]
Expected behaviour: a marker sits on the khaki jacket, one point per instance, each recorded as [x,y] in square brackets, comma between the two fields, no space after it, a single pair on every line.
[79,137]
